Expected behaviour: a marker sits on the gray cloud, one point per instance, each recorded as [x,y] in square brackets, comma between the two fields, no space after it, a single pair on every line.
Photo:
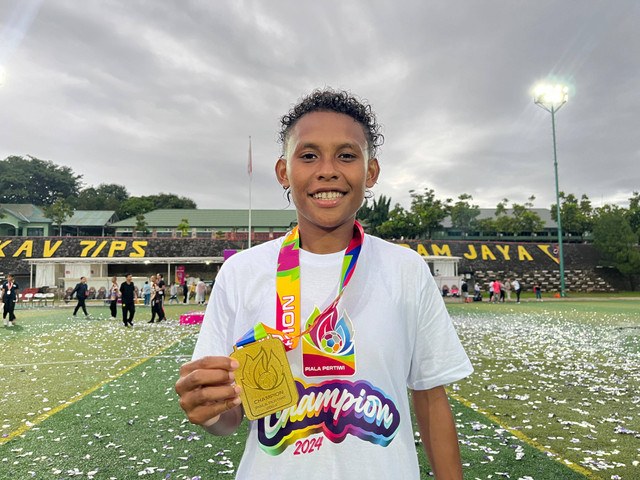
[163,96]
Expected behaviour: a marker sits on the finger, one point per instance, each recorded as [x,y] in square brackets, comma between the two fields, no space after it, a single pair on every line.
[223,363]
[208,415]
[204,378]
[205,403]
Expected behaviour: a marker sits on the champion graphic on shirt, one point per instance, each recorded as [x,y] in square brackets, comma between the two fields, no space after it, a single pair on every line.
[336,408]
[328,348]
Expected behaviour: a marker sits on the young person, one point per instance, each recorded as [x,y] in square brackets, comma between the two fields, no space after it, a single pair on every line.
[82,292]
[114,293]
[9,298]
[157,295]
[386,316]
[129,297]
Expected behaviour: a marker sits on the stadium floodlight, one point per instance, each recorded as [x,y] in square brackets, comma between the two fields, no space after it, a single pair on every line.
[552,98]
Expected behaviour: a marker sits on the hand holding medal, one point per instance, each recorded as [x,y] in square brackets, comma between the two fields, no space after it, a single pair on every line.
[207,391]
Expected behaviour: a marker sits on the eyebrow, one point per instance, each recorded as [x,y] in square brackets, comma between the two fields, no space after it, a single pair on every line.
[340,146]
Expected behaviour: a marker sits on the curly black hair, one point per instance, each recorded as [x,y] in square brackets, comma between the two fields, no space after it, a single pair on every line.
[329,100]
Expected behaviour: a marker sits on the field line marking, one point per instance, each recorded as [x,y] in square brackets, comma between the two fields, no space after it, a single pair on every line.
[529,441]
[88,360]
[80,396]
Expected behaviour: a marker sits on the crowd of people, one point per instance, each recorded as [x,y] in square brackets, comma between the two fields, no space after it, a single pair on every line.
[153,294]
[498,291]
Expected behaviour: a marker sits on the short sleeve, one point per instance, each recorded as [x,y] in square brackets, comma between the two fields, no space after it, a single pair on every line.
[438,356]
[216,333]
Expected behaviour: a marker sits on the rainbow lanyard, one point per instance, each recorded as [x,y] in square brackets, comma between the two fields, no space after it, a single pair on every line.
[288,290]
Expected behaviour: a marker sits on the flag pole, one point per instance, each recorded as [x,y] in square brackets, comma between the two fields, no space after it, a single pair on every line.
[250,169]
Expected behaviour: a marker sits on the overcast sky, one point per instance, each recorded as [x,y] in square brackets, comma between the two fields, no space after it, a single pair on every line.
[162,96]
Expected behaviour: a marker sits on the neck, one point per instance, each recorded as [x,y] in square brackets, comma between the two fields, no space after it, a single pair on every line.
[321,241]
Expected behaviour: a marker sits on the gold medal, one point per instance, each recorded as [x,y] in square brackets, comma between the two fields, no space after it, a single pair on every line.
[265,378]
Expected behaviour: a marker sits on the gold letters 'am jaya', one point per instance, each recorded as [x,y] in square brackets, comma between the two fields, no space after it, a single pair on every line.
[265,378]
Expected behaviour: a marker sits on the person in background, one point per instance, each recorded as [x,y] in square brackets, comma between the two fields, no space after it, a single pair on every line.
[201,292]
[114,293]
[9,297]
[516,288]
[174,293]
[464,287]
[129,296]
[538,291]
[146,294]
[81,291]
[507,288]
[185,292]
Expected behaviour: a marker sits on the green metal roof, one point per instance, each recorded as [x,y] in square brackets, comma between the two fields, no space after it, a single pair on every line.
[91,218]
[200,218]
[25,212]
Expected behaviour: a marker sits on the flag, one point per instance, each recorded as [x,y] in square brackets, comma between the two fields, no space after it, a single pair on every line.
[250,166]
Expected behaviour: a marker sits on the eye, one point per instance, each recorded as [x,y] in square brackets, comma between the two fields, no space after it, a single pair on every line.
[347,156]
[308,156]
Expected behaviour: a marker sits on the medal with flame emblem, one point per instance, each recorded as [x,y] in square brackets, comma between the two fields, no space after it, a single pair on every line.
[265,378]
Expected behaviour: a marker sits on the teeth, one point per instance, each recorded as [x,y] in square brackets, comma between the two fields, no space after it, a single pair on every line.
[328,195]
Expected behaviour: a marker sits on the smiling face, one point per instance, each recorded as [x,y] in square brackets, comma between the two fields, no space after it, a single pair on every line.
[328,168]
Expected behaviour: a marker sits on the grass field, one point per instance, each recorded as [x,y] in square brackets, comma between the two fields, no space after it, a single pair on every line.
[556,394]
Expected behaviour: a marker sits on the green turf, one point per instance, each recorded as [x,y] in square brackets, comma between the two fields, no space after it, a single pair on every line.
[565,374]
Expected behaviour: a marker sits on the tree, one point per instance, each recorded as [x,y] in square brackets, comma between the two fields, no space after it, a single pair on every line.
[463,214]
[375,215]
[103,197]
[524,219]
[503,222]
[31,180]
[616,240]
[135,206]
[58,212]
[401,224]
[421,221]
[141,224]
[183,227]
[577,216]
[633,214]
[428,211]
[170,200]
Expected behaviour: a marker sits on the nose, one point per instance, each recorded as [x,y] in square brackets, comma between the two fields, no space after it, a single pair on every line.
[327,168]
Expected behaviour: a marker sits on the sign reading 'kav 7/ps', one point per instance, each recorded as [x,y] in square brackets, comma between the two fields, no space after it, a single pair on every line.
[84,248]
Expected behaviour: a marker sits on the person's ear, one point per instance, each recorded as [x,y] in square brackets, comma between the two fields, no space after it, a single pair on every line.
[281,173]
[373,171]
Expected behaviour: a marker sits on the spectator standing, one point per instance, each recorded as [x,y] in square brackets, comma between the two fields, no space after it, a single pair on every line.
[129,297]
[174,293]
[464,288]
[496,291]
[507,289]
[201,292]
[185,292]
[9,297]
[538,291]
[157,294]
[517,288]
[146,294]
[114,293]
[81,291]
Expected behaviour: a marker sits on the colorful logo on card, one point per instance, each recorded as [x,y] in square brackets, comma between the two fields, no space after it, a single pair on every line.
[336,408]
[328,348]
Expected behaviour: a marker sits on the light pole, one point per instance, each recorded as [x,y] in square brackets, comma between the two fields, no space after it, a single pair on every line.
[552,98]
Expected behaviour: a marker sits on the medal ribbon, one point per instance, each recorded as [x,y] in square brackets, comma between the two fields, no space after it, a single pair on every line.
[288,290]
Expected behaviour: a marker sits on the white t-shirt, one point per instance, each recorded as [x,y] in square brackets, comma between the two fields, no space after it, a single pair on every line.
[342,427]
